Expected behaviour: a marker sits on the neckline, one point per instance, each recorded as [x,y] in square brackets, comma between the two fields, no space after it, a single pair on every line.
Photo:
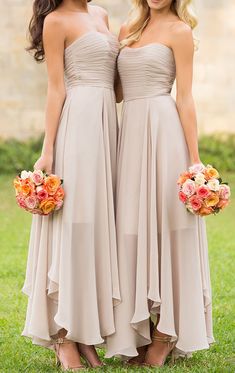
[149,45]
[87,34]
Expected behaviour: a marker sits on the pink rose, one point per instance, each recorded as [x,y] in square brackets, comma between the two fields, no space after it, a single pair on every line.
[182,197]
[189,188]
[21,202]
[224,191]
[196,168]
[59,204]
[203,191]
[195,202]
[31,202]
[37,177]
[41,193]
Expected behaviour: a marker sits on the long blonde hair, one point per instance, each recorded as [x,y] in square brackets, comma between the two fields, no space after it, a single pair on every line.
[140,16]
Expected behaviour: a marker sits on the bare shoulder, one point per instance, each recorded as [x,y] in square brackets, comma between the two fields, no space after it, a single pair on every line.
[124,31]
[54,25]
[181,34]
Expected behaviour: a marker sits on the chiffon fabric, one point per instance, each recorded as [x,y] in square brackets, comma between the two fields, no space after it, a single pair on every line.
[72,275]
[162,248]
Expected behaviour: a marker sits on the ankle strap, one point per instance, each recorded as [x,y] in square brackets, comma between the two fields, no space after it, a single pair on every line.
[60,341]
[163,339]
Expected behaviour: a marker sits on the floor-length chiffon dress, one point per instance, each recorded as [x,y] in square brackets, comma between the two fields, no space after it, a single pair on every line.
[72,275]
[162,248]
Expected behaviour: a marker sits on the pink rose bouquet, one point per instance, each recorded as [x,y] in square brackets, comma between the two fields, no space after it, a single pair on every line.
[202,190]
[38,192]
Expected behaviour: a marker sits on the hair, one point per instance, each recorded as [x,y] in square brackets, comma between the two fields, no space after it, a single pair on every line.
[41,8]
[140,16]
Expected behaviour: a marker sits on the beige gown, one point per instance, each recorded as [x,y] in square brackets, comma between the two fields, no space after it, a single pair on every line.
[72,276]
[162,249]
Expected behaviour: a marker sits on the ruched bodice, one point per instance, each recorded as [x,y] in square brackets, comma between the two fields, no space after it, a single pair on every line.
[146,71]
[91,60]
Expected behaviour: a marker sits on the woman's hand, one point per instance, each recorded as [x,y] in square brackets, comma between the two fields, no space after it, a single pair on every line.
[44,163]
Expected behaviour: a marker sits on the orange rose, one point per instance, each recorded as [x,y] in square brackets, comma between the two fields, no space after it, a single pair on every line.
[212,200]
[183,177]
[204,211]
[211,173]
[52,183]
[47,205]
[59,195]
[17,185]
[26,189]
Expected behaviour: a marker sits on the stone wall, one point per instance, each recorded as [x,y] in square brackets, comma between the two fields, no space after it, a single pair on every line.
[23,82]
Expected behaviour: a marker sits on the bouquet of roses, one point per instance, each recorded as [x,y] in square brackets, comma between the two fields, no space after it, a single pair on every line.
[38,192]
[202,190]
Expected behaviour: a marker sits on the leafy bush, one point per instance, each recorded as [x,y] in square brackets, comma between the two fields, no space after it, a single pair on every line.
[217,150]
[16,156]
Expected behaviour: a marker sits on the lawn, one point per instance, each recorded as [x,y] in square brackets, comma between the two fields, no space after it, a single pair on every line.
[17,354]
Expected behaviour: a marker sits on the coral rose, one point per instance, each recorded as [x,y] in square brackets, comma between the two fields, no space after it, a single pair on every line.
[41,193]
[203,191]
[182,197]
[26,189]
[195,202]
[59,204]
[52,183]
[212,200]
[59,195]
[48,205]
[17,185]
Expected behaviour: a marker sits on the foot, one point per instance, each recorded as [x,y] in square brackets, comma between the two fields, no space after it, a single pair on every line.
[89,354]
[159,349]
[67,355]
[138,360]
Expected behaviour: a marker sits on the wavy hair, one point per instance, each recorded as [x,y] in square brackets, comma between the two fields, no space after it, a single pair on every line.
[140,16]
[41,8]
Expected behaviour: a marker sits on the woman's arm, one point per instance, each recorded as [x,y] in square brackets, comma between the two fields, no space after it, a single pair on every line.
[183,48]
[53,41]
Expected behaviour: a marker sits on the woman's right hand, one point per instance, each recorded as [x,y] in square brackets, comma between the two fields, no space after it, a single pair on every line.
[44,163]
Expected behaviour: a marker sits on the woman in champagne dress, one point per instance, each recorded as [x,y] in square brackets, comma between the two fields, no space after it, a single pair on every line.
[72,277]
[162,248]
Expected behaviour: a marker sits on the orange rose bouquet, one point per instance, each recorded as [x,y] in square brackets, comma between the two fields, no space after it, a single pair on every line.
[38,192]
[202,190]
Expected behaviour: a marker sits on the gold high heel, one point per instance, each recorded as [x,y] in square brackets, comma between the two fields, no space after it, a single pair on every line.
[57,343]
[171,346]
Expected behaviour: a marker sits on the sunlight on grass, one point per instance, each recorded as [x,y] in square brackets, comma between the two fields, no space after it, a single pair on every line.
[17,354]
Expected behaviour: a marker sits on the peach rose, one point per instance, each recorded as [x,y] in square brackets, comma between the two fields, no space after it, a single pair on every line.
[204,211]
[196,168]
[212,200]
[52,183]
[59,195]
[59,204]
[222,203]
[21,202]
[211,173]
[17,185]
[48,205]
[183,177]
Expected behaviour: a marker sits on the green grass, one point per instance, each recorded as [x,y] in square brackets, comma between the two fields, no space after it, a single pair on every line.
[17,354]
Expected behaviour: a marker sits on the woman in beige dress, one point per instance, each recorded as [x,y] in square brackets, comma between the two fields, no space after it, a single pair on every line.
[162,248]
[72,277]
